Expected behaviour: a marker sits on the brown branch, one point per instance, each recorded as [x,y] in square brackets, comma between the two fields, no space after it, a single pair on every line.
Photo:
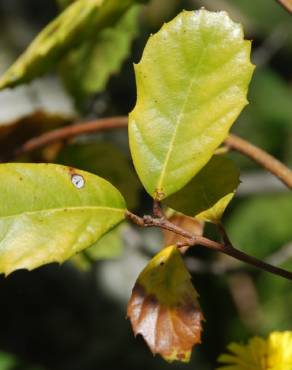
[260,156]
[193,240]
[64,133]
[233,142]
[286,4]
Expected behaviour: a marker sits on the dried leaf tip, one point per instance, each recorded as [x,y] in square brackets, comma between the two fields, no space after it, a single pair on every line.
[164,308]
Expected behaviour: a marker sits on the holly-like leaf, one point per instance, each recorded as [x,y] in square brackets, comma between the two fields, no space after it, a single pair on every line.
[164,308]
[76,23]
[105,160]
[208,194]
[192,83]
[50,212]
[87,69]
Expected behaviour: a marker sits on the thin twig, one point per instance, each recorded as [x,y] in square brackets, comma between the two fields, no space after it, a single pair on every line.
[193,240]
[64,133]
[233,142]
[260,156]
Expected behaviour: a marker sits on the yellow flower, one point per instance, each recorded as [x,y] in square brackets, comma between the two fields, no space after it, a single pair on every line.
[273,353]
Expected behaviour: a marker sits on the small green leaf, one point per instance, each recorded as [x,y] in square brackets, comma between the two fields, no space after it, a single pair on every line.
[50,212]
[208,194]
[78,22]
[164,307]
[86,70]
[192,83]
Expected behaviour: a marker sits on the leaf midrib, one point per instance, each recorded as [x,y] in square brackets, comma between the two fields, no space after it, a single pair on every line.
[159,188]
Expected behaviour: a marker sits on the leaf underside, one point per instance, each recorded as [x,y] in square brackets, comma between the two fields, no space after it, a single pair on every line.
[208,194]
[50,212]
[192,84]
[164,309]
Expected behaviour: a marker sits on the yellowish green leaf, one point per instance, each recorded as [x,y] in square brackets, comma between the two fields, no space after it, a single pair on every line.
[192,84]
[164,308]
[50,212]
[108,161]
[86,70]
[208,194]
[78,22]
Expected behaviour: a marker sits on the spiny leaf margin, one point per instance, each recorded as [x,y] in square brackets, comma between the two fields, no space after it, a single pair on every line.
[45,217]
[192,84]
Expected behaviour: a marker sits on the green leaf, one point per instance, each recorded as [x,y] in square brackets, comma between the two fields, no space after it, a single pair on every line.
[164,307]
[261,225]
[78,22]
[191,85]
[105,160]
[50,212]
[86,70]
[7,361]
[208,194]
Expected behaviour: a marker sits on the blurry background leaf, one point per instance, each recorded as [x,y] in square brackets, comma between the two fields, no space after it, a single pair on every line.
[108,247]
[76,23]
[7,361]
[208,194]
[189,94]
[261,225]
[86,70]
[108,161]
[164,307]
[11,362]
[268,120]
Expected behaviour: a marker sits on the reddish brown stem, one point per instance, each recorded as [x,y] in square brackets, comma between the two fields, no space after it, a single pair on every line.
[67,132]
[260,156]
[192,240]
[234,142]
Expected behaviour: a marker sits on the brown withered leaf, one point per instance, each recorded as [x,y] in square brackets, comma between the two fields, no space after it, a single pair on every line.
[187,223]
[164,307]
